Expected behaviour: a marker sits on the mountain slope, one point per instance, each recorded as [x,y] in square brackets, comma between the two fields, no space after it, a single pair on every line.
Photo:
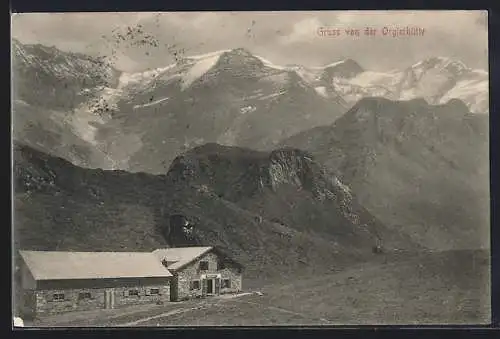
[221,97]
[128,119]
[421,169]
[306,216]
[61,206]
[49,78]
[49,87]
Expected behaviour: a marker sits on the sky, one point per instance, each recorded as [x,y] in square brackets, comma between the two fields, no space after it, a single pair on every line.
[281,37]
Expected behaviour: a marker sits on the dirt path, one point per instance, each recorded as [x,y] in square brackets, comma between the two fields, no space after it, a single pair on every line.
[204,305]
[283,310]
[162,315]
[208,304]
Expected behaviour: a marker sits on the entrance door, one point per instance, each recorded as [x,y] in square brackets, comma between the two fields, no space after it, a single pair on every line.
[210,286]
[174,289]
[109,298]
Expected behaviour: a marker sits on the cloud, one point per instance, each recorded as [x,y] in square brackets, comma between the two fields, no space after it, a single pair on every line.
[304,30]
[447,33]
[283,37]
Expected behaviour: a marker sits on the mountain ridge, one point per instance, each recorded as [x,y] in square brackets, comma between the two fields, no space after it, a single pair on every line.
[419,167]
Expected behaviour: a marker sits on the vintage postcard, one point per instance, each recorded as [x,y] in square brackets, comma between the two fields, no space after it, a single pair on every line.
[250,168]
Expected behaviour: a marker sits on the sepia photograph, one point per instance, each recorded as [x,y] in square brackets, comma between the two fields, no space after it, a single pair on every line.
[285,168]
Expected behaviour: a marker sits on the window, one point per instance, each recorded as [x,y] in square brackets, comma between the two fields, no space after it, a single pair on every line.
[194,285]
[154,291]
[58,297]
[133,292]
[84,295]
[204,265]
[226,283]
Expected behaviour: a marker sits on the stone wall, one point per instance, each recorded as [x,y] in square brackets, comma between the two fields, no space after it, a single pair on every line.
[45,303]
[122,297]
[192,272]
[235,278]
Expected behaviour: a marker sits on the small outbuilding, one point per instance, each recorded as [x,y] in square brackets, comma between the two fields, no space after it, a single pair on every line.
[56,281]
[200,272]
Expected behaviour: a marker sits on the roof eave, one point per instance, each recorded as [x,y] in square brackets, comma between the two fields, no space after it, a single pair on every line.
[92,278]
[191,260]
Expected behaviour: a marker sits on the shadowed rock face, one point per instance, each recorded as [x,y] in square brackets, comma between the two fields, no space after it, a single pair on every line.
[181,231]
[286,184]
[421,169]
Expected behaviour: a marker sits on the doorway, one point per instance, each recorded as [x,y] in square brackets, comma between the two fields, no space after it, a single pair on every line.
[210,286]
[109,298]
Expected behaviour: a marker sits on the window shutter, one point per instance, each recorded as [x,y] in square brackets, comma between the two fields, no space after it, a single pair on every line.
[147,291]
[125,293]
[49,297]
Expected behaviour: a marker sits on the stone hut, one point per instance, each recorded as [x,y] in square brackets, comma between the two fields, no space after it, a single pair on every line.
[54,282]
[200,272]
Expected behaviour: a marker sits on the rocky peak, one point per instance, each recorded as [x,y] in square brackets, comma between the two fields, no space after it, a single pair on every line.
[346,68]
[239,57]
[454,67]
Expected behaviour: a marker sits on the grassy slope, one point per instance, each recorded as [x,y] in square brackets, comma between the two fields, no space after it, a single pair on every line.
[446,287]
[407,288]
[59,206]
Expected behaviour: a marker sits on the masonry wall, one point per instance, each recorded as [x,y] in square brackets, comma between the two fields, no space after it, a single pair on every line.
[45,303]
[235,279]
[122,298]
[192,272]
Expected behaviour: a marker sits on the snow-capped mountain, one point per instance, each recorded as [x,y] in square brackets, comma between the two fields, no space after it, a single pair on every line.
[97,116]
[142,120]
[437,80]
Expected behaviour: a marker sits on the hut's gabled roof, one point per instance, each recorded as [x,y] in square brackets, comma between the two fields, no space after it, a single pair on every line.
[178,257]
[58,265]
